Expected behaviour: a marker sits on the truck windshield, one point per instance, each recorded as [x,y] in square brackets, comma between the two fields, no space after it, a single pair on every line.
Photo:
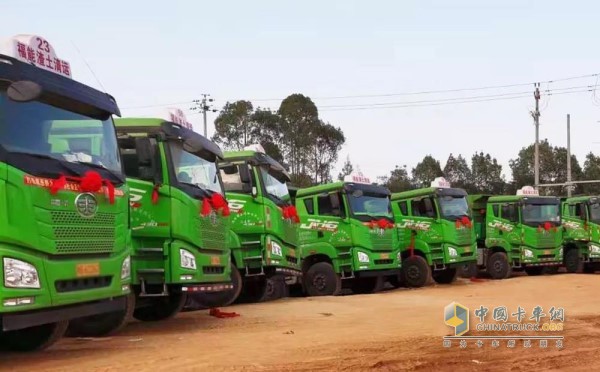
[595,212]
[274,187]
[535,214]
[370,206]
[193,170]
[44,131]
[453,207]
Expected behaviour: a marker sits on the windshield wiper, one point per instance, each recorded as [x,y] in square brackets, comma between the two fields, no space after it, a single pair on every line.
[196,186]
[98,166]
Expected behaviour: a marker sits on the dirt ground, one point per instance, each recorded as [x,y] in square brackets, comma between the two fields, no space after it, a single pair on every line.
[390,331]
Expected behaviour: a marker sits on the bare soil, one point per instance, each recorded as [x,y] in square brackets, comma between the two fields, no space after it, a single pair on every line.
[390,331]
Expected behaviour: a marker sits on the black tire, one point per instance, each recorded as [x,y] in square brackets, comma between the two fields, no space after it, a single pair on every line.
[367,285]
[321,280]
[33,338]
[572,262]
[469,270]
[161,308]
[445,276]
[415,271]
[102,325]
[497,266]
[199,301]
[262,289]
[534,270]
[551,270]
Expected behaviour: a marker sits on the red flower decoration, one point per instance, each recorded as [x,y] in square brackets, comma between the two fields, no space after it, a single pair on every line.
[205,211]
[91,182]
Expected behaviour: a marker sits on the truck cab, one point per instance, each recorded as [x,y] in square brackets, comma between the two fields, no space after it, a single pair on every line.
[179,217]
[520,232]
[63,220]
[264,228]
[347,237]
[581,221]
[435,231]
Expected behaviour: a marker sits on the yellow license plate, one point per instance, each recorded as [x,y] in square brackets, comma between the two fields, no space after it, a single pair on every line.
[547,252]
[467,250]
[385,256]
[89,269]
[291,253]
[215,260]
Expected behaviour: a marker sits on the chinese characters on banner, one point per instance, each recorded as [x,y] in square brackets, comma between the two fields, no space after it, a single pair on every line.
[39,52]
[177,116]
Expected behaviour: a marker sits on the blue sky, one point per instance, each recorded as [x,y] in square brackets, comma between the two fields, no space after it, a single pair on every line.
[152,53]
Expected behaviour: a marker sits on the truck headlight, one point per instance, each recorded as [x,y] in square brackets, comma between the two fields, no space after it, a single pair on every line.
[126,268]
[19,274]
[188,261]
[594,249]
[527,253]
[362,257]
[276,249]
[452,252]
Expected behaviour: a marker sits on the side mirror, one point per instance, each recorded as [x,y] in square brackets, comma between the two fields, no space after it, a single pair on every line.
[24,91]
[254,192]
[244,171]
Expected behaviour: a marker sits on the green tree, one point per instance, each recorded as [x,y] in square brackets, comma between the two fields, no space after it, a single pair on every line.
[426,171]
[234,127]
[397,181]
[299,123]
[591,171]
[326,143]
[553,166]
[268,132]
[457,172]
[486,174]
[346,169]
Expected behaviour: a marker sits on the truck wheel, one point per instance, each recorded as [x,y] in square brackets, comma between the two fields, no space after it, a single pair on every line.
[572,262]
[33,338]
[264,289]
[321,280]
[102,324]
[469,270]
[534,271]
[497,266]
[415,271]
[367,285]
[217,299]
[445,276]
[161,308]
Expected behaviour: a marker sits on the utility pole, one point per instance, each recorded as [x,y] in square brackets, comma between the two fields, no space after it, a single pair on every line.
[569,186]
[536,120]
[204,105]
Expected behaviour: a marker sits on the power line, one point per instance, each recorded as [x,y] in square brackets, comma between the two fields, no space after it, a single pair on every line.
[597,75]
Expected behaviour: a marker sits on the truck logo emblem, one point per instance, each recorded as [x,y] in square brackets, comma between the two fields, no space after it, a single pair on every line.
[86,205]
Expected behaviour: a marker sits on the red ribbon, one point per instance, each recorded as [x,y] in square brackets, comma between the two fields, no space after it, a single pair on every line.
[155,194]
[381,223]
[463,221]
[216,202]
[290,213]
[90,182]
[546,226]
[217,313]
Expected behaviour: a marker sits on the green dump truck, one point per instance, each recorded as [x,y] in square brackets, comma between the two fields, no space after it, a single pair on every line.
[347,237]
[435,231]
[521,232]
[179,217]
[264,228]
[581,221]
[64,216]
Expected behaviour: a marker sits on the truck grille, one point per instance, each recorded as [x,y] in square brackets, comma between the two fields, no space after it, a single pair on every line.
[213,236]
[382,242]
[73,285]
[292,260]
[75,234]
[546,240]
[388,261]
[463,236]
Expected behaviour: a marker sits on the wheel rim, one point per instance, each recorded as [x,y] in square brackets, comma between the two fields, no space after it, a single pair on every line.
[498,266]
[270,287]
[413,273]
[319,282]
